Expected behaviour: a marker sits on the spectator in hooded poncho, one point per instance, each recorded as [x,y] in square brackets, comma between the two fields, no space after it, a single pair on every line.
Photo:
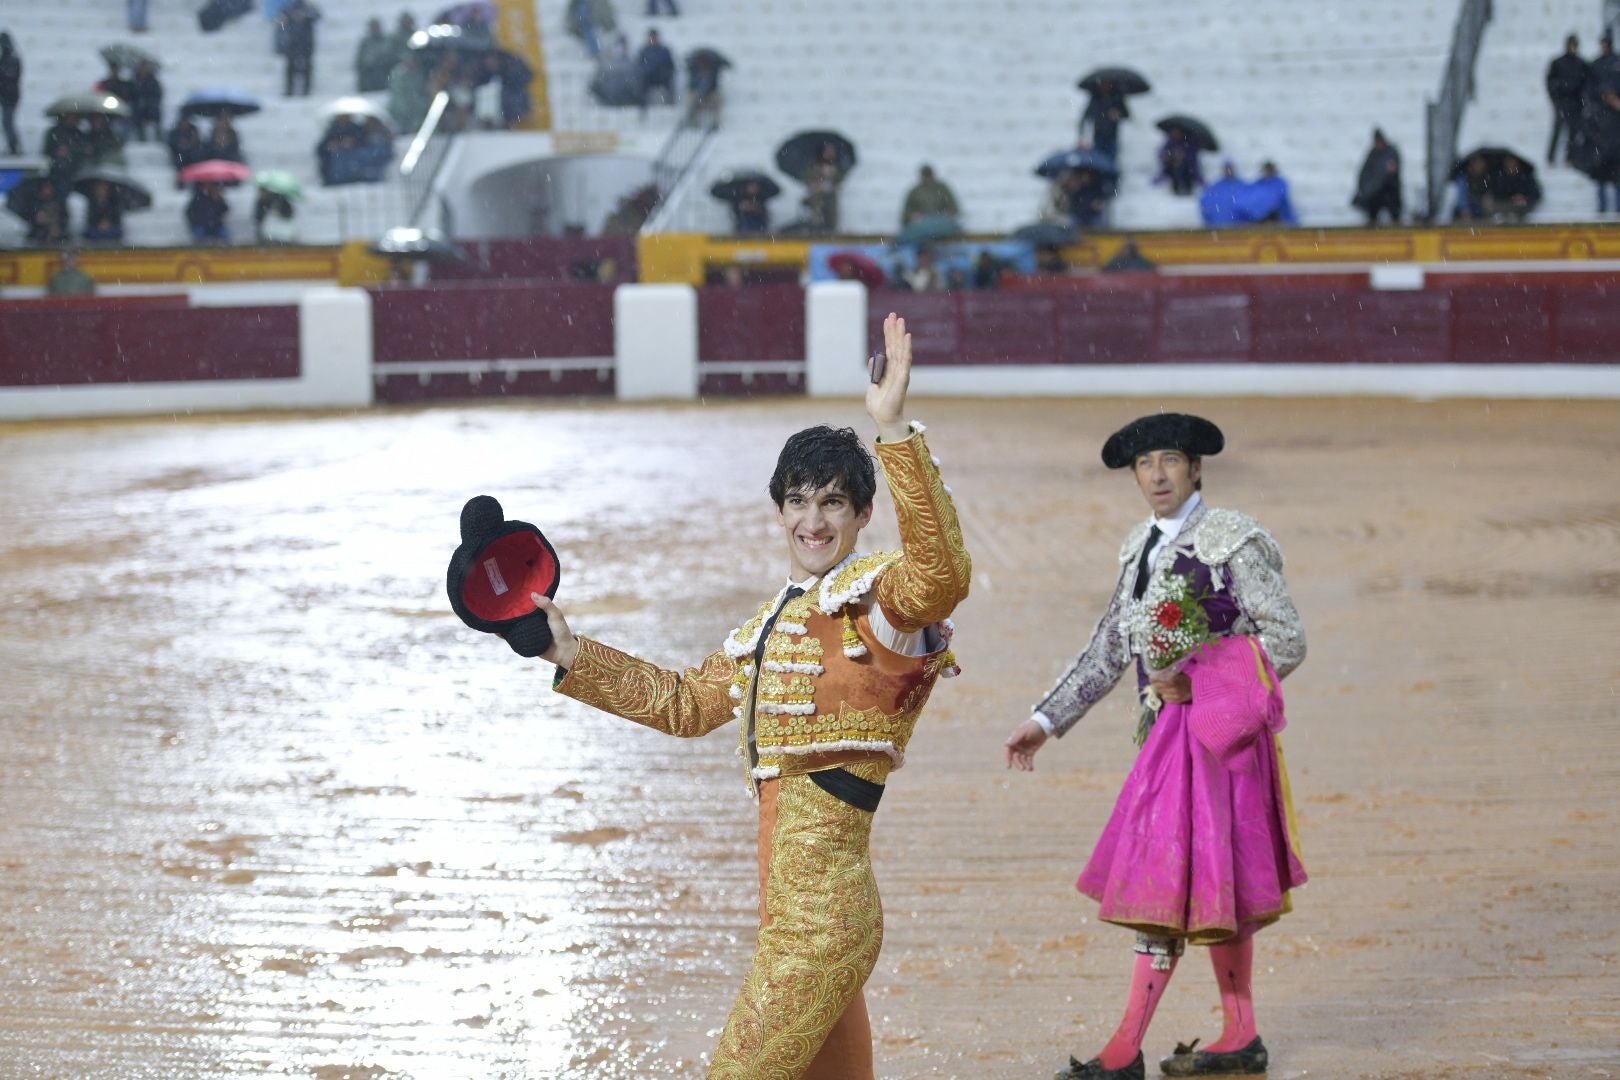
[1378,188]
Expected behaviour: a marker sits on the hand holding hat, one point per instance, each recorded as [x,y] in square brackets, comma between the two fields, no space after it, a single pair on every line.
[496,573]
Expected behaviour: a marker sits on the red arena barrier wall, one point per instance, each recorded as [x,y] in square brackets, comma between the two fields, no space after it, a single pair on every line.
[751,339]
[1563,318]
[82,341]
[491,339]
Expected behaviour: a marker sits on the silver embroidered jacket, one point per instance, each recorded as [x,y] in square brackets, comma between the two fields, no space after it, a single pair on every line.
[1220,539]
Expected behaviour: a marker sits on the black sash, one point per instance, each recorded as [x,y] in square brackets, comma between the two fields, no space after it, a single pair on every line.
[846,787]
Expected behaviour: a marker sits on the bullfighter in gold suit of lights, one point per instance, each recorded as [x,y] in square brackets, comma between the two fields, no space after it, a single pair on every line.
[827,680]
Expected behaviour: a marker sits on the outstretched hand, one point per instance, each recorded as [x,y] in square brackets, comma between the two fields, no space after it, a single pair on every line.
[886,400]
[1021,745]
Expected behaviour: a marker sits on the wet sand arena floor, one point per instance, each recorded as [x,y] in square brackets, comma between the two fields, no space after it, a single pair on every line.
[266,807]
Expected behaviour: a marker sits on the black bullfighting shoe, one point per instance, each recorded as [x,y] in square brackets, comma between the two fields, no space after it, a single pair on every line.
[1093,1070]
[1187,1060]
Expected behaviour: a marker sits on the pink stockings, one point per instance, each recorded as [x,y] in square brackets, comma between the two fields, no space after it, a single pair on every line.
[1233,962]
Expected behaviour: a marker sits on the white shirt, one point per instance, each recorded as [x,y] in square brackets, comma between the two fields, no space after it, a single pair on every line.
[1169,529]
[912,644]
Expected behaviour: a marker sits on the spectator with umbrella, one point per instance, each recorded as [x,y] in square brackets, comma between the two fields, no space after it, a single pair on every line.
[220,100]
[65,147]
[820,160]
[223,143]
[656,65]
[1513,192]
[206,213]
[10,92]
[1084,181]
[103,144]
[147,105]
[295,32]
[273,208]
[41,202]
[109,196]
[1105,107]
[856,266]
[1184,137]
[703,67]
[929,197]
[185,146]
[747,192]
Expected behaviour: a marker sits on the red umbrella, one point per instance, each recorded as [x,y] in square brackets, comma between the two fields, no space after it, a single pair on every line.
[216,170]
[852,264]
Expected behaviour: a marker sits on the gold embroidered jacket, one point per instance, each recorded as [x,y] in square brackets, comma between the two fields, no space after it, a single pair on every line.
[828,693]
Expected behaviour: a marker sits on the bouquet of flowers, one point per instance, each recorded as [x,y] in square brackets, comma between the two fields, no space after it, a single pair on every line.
[1169,623]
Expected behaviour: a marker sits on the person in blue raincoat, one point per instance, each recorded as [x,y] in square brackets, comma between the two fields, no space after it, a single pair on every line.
[1265,199]
[1219,203]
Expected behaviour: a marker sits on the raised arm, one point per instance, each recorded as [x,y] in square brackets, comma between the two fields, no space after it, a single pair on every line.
[933,577]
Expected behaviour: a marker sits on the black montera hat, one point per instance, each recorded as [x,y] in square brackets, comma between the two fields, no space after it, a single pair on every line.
[1162,431]
[492,575]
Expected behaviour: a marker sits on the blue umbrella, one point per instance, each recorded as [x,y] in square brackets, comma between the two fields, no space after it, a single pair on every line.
[928,230]
[1061,162]
[220,101]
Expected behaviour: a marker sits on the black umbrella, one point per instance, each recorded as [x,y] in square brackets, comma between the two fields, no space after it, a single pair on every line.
[1124,79]
[129,56]
[804,149]
[416,244]
[1061,162]
[1195,128]
[733,185]
[131,194]
[1494,157]
[24,199]
[706,55]
[220,101]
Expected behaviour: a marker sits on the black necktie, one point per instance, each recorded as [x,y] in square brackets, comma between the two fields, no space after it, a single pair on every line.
[1143,570]
[793,592]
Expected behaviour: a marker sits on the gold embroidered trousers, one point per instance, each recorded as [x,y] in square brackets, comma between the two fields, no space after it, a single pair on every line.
[801,1014]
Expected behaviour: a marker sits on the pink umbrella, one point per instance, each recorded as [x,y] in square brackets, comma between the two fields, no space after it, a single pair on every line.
[216,170]
[857,266]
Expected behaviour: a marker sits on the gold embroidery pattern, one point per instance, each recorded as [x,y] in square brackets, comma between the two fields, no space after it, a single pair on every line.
[850,725]
[933,578]
[689,704]
[823,939]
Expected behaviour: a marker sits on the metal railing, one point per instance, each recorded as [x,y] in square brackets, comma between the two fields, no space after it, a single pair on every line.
[677,162]
[420,166]
[1443,118]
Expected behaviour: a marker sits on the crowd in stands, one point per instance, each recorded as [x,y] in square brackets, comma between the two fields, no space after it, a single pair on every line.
[1585,96]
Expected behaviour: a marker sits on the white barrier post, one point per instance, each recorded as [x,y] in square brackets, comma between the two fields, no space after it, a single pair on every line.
[835,347]
[655,342]
[335,348]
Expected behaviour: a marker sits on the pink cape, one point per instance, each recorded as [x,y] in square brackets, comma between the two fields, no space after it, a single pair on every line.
[1192,848]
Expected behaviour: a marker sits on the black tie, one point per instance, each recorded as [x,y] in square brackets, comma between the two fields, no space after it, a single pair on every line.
[1143,570]
[793,592]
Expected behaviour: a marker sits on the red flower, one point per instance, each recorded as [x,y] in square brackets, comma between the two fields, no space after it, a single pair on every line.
[1169,614]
